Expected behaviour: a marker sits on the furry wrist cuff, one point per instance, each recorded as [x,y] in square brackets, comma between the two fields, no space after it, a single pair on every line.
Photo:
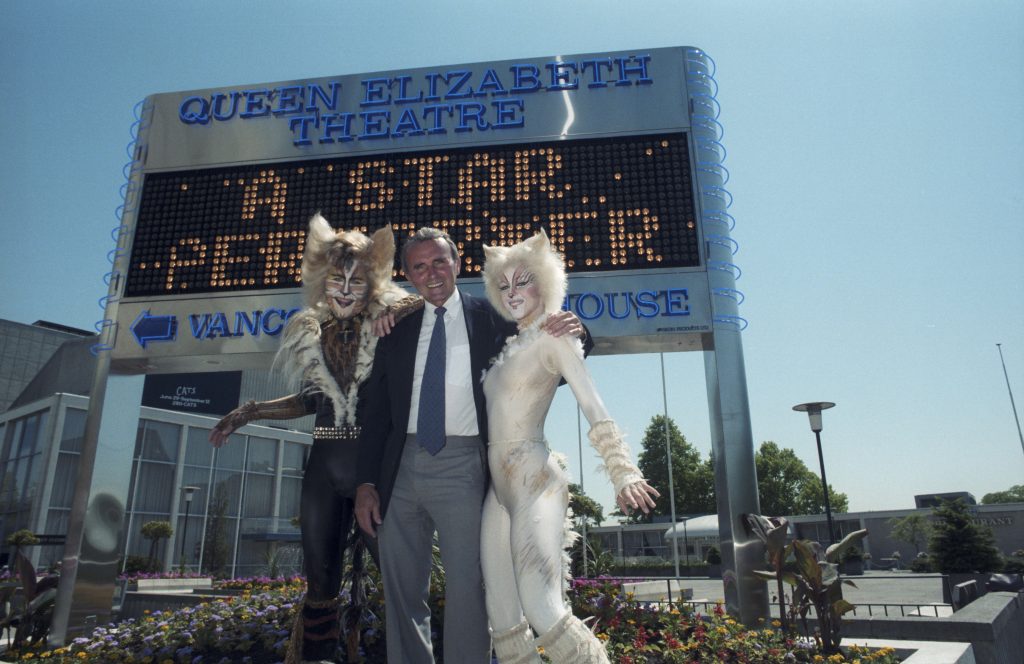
[405,306]
[607,440]
[278,409]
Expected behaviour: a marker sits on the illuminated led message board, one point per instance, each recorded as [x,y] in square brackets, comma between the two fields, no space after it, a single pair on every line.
[604,152]
[607,205]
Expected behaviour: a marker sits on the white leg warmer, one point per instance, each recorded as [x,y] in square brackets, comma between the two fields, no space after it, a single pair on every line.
[516,645]
[570,642]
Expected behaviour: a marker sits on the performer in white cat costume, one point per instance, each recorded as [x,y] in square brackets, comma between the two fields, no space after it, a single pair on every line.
[330,345]
[523,532]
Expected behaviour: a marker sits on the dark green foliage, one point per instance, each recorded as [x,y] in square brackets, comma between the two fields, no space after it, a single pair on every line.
[786,486]
[813,574]
[584,507]
[599,561]
[23,537]
[1014,564]
[714,556]
[215,549]
[960,545]
[31,621]
[155,531]
[693,479]
[913,529]
[922,564]
[136,564]
[1015,494]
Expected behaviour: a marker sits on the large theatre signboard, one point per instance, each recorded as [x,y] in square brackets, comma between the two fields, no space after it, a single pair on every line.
[605,152]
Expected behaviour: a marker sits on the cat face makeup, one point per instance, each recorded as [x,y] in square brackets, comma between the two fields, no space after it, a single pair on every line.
[520,294]
[347,290]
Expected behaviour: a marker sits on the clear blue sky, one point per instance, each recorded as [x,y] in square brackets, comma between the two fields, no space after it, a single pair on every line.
[877,160]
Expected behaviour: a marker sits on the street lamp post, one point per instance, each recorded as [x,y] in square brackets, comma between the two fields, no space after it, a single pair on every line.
[813,410]
[189,492]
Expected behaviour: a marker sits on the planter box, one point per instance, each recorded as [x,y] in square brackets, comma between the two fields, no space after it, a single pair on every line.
[950,581]
[922,652]
[171,585]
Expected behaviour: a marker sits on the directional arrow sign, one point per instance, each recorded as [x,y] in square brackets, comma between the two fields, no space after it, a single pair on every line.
[148,328]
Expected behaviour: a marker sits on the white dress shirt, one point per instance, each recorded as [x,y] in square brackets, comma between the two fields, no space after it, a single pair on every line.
[459,406]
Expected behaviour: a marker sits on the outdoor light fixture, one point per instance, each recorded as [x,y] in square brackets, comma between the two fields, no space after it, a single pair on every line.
[813,410]
[189,491]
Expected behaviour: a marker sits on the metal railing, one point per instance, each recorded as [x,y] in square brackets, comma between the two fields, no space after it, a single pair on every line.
[890,610]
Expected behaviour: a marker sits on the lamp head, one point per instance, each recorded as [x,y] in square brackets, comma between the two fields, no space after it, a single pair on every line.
[813,410]
[189,491]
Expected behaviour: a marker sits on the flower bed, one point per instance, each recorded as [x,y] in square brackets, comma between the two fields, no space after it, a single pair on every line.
[254,627]
[639,633]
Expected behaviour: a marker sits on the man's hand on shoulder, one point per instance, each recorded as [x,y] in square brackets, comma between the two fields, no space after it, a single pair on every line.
[563,323]
[383,324]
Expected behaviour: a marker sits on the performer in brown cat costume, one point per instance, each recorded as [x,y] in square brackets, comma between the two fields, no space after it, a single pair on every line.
[330,346]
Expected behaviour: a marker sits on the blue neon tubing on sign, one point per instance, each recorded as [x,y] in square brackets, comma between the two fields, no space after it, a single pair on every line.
[129,197]
[712,176]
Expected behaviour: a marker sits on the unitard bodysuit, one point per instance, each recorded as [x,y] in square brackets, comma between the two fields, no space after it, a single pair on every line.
[523,531]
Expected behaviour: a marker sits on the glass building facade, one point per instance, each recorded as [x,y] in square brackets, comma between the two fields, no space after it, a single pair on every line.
[240,521]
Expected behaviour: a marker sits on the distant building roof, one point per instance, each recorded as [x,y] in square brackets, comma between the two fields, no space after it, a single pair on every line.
[69,370]
[933,499]
[63,328]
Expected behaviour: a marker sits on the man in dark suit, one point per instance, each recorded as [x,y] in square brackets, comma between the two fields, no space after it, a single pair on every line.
[418,475]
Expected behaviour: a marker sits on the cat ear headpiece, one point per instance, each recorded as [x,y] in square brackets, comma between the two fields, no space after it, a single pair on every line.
[538,256]
[327,250]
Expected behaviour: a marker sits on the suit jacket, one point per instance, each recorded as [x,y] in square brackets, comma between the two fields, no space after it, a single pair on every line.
[389,388]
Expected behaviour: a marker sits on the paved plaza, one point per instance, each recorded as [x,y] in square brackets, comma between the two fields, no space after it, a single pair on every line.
[889,588]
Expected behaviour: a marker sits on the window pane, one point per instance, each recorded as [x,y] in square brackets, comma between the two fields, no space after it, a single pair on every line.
[74,430]
[192,534]
[262,455]
[156,485]
[231,455]
[198,450]
[218,544]
[160,441]
[227,490]
[199,478]
[56,524]
[259,496]
[34,425]
[294,459]
[291,490]
[15,439]
[64,480]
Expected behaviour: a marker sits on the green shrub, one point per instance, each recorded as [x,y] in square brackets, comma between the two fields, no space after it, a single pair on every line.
[922,564]
[960,545]
[23,537]
[714,556]
[136,564]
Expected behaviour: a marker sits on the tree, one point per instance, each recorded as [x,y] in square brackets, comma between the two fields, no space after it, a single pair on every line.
[786,486]
[958,544]
[155,531]
[913,529]
[586,510]
[215,548]
[693,480]
[1015,494]
[584,507]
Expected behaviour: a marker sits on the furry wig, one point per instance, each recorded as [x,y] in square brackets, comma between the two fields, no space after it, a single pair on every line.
[538,256]
[326,249]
